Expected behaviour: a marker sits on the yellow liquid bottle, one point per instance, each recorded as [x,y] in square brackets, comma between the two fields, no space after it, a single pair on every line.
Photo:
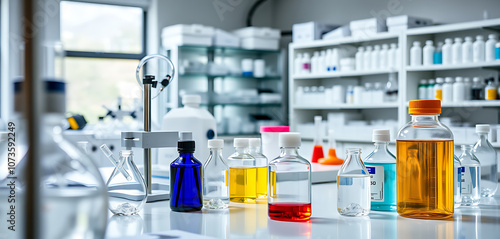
[261,164]
[243,184]
[262,182]
[425,164]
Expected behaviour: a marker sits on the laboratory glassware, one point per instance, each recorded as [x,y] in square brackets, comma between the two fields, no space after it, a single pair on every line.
[242,173]
[318,140]
[477,89]
[487,156]
[289,182]
[391,88]
[381,165]
[186,177]
[270,140]
[490,92]
[215,181]
[425,164]
[331,158]
[457,180]
[126,186]
[438,55]
[471,177]
[261,163]
[353,186]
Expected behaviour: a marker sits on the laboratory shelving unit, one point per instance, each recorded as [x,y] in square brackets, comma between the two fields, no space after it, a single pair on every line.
[213,87]
[408,77]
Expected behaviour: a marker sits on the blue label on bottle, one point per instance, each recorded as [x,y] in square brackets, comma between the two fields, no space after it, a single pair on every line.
[371,170]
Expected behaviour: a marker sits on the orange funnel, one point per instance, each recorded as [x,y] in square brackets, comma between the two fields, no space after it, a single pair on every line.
[331,159]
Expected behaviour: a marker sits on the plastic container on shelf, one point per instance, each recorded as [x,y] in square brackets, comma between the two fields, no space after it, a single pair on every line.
[306,63]
[367,59]
[194,119]
[392,59]
[183,34]
[471,177]
[447,52]
[490,91]
[477,89]
[298,64]
[425,164]
[438,89]
[438,54]
[456,51]
[487,156]
[467,88]
[478,47]
[422,90]
[431,94]
[384,61]
[489,50]
[259,38]
[459,90]
[467,52]
[416,54]
[270,140]
[289,182]
[497,51]
[428,53]
[448,90]
[375,58]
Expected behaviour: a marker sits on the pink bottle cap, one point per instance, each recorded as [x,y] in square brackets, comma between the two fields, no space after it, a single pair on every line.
[274,129]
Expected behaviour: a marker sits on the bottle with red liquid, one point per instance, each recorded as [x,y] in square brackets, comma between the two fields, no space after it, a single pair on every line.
[289,182]
[318,140]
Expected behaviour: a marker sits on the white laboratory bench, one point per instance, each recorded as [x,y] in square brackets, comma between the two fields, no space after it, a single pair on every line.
[251,221]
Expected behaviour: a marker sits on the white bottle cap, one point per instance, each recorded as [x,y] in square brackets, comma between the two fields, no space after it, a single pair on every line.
[448,40]
[318,118]
[216,144]
[416,43]
[254,142]
[289,140]
[479,37]
[185,136]
[393,45]
[459,79]
[468,38]
[381,135]
[316,53]
[432,81]
[476,79]
[428,42]
[241,143]
[492,36]
[385,46]
[191,100]
[423,81]
[377,47]
[466,79]
[439,80]
[306,55]
[482,128]
[368,48]
[448,79]
[458,39]
[361,48]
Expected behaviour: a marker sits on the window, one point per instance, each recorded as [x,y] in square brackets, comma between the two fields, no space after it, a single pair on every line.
[103,44]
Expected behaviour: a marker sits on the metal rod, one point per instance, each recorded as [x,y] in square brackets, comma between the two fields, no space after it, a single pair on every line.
[147,128]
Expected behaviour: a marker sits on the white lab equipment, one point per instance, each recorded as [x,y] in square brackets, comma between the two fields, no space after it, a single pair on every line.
[392,57]
[428,53]
[359,58]
[247,67]
[190,118]
[438,89]
[298,64]
[416,54]
[467,88]
[322,62]
[358,94]
[375,58]
[367,58]
[270,140]
[263,38]
[306,63]
[422,90]
[448,52]
[456,51]
[225,39]
[459,90]
[448,90]
[182,34]
[467,53]
[335,60]
[431,94]
[259,66]
[384,61]
[347,64]
[314,62]
[489,50]
[478,48]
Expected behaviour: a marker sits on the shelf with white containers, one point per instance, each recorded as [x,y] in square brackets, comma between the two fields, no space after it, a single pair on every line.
[332,88]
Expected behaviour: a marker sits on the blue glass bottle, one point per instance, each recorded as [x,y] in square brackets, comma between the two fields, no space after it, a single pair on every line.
[186,178]
[381,165]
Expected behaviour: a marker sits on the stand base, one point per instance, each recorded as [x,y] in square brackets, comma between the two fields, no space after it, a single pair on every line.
[160,192]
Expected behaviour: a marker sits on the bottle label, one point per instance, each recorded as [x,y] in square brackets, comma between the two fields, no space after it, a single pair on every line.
[376,183]
[470,179]
[439,94]
[492,94]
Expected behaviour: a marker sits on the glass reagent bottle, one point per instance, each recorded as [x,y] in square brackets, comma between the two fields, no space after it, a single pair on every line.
[471,177]
[261,163]
[487,156]
[242,173]
[215,181]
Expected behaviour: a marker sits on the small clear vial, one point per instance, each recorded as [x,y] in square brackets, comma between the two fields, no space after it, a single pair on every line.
[471,177]
[215,181]
[261,163]
[381,165]
[353,186]
[457,180]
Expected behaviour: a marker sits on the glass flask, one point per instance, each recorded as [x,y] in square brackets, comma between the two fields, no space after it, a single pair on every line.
[215,181]
[127,191]
[73,196]
[242,173]
[261,163]
[487,155]
[331,158]
[318,140]
[471,179]
[381,164]
[186,177]
[289,182]
[457,181]
[425,164]
[353,186]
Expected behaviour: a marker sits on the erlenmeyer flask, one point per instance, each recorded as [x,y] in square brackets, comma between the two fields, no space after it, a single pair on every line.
[127,194]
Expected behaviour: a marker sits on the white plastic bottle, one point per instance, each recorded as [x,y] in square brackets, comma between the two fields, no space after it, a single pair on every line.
[447,51]
[456,51]
[438,89]
[422,90]
[459,90]
[478,49]
[194,119]
[359,58]
[428,53]
[416,54]
[489,50]
[367,58]
[448,90]
[335,59]
[375,58]
[384,63]
[314,63]
[298,64]
[467,50]
[431,94]
[468,88]
[321,62]
[306,63]
[490,91]
[392,56]
[328,58]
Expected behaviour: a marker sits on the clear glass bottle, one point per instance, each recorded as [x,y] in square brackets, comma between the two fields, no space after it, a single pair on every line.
[215,181]
[353,186]
[318,140]
[471,178]
[391,89]
[242,173]
[261,163]
[381,165]
[126,187]
[186,177]
[457,181]
[487,156]
[289,182]
[425,164]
